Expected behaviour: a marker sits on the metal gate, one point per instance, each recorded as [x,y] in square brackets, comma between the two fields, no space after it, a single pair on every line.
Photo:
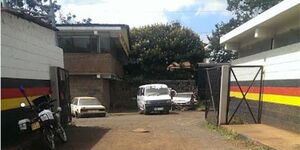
[242,81]
[213,92]
[238,108]
[61,92]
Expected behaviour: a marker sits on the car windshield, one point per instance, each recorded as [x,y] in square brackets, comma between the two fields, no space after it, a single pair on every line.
[183,95]
[157,91]
[89,102]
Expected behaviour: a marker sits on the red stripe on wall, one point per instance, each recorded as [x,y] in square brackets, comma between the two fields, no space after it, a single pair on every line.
[15,92]
[290,91]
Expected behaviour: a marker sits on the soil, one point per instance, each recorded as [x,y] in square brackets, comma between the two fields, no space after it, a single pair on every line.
[118,131]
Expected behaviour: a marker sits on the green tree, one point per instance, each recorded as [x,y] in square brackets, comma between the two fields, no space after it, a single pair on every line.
[156,46]
[243,11]
[71,19]
[39,9]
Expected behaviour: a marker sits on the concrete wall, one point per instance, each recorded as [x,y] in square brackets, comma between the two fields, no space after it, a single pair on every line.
[281,97]
[27,49]
[280,63]
[90,86]
[92,63]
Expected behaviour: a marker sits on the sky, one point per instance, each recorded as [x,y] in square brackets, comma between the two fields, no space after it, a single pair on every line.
[198,15]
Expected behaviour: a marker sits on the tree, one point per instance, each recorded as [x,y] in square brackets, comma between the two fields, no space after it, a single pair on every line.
[39,9]
[71,19]
[243,11]
[156,46]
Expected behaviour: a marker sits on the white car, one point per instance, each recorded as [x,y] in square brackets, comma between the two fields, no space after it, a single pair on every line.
[183,100]
[154,98]
[87,106]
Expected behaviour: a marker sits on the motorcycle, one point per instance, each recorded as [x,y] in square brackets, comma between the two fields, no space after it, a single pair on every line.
[43,119]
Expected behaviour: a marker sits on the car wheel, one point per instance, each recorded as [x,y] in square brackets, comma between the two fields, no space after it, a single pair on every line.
[103,115]
[146,112]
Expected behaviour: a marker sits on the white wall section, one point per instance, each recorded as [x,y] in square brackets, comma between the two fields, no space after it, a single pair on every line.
[27,49]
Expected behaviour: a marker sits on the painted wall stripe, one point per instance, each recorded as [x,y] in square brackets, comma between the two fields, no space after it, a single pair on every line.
[15,92]
[272,98]
[289,91]
[12,103]
[27,83]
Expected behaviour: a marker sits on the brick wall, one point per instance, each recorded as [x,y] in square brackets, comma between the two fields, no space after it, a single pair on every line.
[92,63]
[90,86]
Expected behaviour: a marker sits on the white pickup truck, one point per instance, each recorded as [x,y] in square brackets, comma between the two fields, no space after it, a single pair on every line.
[154,98]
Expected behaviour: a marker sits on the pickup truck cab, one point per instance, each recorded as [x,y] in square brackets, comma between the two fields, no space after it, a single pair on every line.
[154,98]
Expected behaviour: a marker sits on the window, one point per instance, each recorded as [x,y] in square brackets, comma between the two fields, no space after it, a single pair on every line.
[89,102]
[78,43]
[104,42]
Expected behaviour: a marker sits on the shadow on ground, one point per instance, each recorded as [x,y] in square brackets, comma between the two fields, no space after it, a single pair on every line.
[79,138]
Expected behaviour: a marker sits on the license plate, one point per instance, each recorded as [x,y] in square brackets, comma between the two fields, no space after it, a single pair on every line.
[35,125]
[158,108]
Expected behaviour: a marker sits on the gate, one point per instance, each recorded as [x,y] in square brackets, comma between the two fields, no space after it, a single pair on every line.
[61,92]
[213,92]
[245,80]
[227,97]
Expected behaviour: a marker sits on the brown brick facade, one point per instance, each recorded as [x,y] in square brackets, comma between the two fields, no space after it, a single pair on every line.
[92,63]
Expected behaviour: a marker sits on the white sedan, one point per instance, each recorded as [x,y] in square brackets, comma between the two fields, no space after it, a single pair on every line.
[87,106]
[181,100]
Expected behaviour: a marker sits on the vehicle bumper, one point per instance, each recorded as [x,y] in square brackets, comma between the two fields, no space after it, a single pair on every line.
[92,114]
[157,107]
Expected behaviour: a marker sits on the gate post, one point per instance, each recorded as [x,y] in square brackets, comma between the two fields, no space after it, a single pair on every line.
[224,94]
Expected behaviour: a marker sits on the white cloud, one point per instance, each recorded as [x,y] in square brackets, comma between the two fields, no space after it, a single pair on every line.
[212,7]
[132,12]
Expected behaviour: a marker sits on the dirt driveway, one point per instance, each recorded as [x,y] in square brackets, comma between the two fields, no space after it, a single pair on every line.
[176,131]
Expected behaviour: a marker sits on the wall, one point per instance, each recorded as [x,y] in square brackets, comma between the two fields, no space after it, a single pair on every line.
[123,93]
[90,86]
[27,52]
[27,49]
[92,63]
[281,98]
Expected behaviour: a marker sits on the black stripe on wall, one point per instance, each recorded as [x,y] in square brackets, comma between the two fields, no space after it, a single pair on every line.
[274,83]
[27,83]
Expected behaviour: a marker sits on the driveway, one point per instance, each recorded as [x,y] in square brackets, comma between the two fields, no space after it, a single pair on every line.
[176,131]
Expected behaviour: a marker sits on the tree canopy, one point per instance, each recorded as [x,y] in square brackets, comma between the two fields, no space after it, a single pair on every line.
[156,46]
[39,9]
[243,11]
[70,18]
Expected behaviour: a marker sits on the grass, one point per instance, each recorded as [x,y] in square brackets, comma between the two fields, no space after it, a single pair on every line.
[232,136]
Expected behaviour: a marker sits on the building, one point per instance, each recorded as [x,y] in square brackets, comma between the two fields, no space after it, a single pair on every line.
[94,54]
[272,39]
[28,50]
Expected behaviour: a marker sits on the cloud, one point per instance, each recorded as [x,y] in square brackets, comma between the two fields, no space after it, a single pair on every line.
[212,7]
[133,12]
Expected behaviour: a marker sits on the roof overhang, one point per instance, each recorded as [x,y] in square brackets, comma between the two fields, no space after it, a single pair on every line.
[265,24]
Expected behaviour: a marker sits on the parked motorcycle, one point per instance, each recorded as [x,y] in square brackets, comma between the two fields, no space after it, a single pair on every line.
[44,120]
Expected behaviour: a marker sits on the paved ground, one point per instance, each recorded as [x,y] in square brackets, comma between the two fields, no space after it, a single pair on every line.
[270,136]
[176,131]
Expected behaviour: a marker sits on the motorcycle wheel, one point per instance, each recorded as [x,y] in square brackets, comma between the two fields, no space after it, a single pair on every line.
[49,138]
[61,133]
